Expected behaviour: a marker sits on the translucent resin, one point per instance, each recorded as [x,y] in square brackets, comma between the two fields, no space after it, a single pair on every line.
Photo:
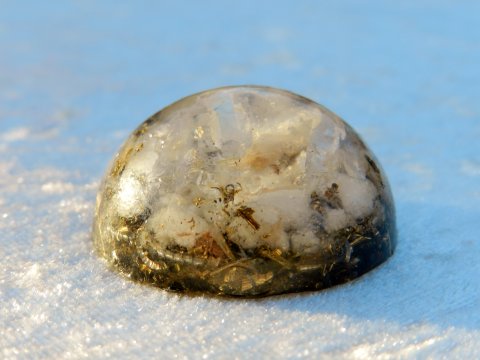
[245,191]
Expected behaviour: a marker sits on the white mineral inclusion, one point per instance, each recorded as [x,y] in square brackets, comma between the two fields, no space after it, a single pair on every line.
[247,167]
[274,146]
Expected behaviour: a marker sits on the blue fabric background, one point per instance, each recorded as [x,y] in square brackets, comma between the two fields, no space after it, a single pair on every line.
[76,77]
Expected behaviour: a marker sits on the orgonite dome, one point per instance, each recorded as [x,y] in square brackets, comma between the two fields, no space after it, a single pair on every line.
[244,191]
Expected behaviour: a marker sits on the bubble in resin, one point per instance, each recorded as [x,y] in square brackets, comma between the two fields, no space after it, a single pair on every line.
[245,191]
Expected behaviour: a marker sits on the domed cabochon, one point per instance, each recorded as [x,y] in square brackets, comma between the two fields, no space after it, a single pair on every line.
[244,191]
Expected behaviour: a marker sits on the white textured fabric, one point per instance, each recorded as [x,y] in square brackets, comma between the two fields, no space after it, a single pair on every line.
[76,78]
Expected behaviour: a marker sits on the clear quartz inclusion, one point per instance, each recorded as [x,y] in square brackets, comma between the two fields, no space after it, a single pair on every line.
[245,191]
